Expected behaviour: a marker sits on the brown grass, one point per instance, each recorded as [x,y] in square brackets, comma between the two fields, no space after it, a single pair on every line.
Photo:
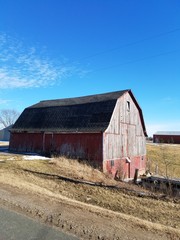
[80,170]
[166,157]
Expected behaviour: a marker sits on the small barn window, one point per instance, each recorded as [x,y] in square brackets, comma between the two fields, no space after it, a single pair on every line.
[128,106]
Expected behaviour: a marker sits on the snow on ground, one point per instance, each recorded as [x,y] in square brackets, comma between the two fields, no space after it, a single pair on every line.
[4,149]
[35,157]
[4,143]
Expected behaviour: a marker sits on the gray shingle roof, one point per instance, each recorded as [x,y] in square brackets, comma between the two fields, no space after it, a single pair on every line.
[82,114]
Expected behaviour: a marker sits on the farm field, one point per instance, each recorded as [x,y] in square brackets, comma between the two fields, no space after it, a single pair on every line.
[59,192]
[166,157]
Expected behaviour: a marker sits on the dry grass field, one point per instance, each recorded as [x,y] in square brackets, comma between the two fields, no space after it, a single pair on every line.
[165,158]
[51,179]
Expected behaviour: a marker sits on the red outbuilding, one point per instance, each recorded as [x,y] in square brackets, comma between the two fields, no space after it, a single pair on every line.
[106,129]
[167,137]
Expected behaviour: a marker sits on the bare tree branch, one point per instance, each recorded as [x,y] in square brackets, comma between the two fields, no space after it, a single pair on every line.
[8,117]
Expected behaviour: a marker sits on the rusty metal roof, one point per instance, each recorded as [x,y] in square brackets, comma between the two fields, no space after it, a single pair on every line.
[82,114]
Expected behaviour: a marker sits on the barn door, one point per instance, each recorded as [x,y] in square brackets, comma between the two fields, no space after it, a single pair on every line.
[48,143]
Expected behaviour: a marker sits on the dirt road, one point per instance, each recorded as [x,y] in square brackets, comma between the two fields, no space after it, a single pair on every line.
[83,220]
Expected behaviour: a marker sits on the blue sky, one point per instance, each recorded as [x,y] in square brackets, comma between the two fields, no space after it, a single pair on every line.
[53,49]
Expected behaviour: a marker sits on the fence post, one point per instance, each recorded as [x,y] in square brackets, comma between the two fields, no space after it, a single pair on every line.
[136,175]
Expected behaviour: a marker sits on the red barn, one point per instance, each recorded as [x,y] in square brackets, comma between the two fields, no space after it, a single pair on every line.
[167,137]
[106,129]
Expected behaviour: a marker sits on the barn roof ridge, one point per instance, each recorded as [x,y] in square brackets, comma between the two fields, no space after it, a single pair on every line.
[80,100]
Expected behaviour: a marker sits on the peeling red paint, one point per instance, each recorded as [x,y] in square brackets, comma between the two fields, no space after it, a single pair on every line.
[125,169]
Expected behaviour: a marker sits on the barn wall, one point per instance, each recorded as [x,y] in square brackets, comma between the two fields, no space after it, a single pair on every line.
[78,145]
[75,145]
[166,139]
[26,142]
[125,137]
[125,167]
[5,134]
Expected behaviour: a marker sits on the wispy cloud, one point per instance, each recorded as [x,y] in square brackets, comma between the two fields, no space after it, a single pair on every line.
[26,67]
[4,101]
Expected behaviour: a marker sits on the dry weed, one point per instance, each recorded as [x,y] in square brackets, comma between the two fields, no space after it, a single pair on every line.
[80,170]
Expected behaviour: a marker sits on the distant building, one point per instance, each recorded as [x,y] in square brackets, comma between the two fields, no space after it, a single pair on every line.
[167,137]
[107,129]
[5,134]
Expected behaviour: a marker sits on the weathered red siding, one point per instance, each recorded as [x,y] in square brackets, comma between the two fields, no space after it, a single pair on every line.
[166,139]
[123,169]
[26,142]
[76,145]
[81,145]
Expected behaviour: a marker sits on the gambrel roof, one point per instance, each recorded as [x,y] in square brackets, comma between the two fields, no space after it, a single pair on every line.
[81,114]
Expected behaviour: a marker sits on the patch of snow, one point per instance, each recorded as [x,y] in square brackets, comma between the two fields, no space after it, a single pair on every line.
[4,143]
[35,157]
